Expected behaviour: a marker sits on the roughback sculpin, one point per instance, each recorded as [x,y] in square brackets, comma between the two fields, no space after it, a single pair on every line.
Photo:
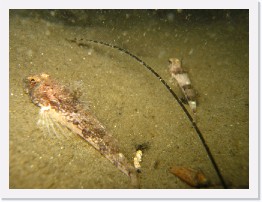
[65,108]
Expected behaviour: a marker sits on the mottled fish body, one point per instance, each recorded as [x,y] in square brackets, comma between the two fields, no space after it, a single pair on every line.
[181,76]
[65,108]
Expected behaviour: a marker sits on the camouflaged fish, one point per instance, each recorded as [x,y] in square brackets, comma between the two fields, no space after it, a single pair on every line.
[64,107]
[181,76]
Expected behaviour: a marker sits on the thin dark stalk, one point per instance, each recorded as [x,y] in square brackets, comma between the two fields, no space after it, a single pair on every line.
[199,133]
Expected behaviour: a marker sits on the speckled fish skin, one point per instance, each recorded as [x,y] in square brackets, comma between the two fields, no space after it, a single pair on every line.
[65,108]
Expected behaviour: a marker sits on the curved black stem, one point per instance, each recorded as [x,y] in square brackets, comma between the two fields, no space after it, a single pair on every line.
[200,135]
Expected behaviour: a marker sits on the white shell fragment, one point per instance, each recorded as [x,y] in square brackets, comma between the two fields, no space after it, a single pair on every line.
[138,159]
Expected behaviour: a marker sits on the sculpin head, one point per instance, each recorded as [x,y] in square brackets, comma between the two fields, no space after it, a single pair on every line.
[31,82]
[38,87]
[45,92]
[175,66]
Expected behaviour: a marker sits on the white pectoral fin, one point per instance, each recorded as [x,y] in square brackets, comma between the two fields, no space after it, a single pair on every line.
[192,105]
[182,79]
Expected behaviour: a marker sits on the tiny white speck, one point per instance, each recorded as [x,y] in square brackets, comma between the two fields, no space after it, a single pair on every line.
[62,147]
[70,59]
[42,53]
[12,94]
[40,157]
[120,155]
[51,157]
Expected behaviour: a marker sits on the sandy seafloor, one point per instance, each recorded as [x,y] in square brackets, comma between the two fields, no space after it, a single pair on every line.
[128,99]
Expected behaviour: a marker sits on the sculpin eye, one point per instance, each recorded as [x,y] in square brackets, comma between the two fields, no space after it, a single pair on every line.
[32,81]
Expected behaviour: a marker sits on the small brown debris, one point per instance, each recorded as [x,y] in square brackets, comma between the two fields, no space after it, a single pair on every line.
[194,178]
